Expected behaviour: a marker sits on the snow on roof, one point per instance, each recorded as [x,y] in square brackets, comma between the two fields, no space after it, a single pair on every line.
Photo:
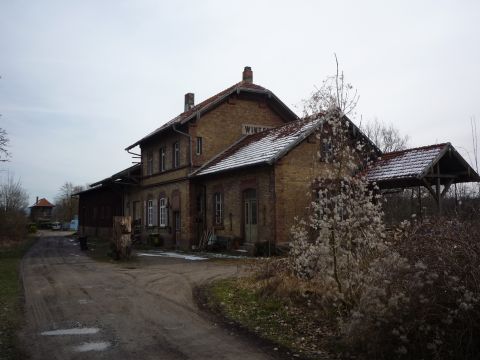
[260,148]
[410,163]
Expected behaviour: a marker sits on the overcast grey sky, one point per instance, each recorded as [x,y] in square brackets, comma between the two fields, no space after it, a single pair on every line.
[81,80]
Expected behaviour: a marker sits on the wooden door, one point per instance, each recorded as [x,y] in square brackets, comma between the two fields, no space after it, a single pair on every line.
[250,215]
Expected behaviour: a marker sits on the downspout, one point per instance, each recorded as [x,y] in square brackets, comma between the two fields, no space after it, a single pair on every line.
[189,142]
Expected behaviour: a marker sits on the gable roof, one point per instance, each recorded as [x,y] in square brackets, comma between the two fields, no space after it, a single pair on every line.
[208,104]
[262,148]
[43,203]
[409,166]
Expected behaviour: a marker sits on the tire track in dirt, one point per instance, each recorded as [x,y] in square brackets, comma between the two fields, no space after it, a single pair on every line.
[142,313]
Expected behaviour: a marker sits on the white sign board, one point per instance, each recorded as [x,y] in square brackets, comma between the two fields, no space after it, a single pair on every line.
[249,129]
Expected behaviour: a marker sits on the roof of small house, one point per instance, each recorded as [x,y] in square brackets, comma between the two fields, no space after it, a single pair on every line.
[208,104]
[261,148]
[43,203]
[409,166]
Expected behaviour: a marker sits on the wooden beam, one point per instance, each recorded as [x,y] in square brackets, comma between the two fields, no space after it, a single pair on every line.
[443,176]
[446,187]
[437,190]
[429,188]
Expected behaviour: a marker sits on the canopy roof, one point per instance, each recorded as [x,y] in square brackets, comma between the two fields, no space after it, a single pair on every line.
[421,166]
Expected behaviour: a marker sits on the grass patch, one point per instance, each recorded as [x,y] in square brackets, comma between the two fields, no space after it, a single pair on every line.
[293,324]
[11,297]
[100,249]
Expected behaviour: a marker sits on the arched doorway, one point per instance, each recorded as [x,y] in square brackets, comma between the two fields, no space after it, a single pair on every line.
[250,215]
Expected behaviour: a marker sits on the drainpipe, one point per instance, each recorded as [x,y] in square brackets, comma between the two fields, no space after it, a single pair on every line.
[189,142]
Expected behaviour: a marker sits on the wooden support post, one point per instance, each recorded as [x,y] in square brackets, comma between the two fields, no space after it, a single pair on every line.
[420,210]
[437,190]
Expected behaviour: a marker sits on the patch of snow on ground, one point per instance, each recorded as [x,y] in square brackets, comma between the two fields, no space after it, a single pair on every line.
[74,331]
[172,255]
[92,346]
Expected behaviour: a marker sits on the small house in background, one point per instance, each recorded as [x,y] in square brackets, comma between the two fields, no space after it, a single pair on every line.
[41,211]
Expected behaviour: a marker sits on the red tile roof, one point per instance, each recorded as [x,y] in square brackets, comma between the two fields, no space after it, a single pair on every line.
[208,103]
[43,203]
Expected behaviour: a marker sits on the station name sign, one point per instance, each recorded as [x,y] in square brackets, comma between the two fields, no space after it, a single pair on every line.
[249,129]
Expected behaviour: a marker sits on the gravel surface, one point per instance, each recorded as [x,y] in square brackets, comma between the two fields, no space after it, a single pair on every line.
[77,308]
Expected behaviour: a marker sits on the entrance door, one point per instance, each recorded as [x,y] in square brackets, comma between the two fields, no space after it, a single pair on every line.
[250,208]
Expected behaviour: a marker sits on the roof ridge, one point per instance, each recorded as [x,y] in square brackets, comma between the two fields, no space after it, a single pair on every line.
[416,148]
[187,115]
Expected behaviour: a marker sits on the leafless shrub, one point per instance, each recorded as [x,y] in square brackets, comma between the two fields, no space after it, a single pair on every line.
[13,203]
[424,304]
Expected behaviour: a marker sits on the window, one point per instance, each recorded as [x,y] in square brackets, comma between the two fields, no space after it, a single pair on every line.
[327,150]
[218,203]
[150,213]
[163,212]
[199,145]
[162,159]
[149,163]
[176,155]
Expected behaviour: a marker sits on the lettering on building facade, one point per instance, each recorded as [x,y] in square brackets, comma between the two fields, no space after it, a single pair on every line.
[249,129]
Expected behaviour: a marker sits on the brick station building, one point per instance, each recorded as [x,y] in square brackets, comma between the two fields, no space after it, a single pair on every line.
[239,165]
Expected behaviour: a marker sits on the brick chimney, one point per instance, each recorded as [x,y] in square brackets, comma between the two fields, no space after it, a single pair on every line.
[189,101]
[247,75]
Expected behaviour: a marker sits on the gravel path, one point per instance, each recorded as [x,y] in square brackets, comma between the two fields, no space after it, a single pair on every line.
[77,308]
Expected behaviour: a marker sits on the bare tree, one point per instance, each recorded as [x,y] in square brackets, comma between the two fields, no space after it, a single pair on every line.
[13,205]
[335,93]
[385,136]
[66,206]
[13,197]
[4,154]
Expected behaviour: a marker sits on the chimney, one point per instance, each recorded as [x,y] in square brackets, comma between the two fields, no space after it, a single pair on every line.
[189,101]
[247,75]
[36,202]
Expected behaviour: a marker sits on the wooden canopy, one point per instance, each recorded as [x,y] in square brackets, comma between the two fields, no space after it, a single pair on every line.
[436,167]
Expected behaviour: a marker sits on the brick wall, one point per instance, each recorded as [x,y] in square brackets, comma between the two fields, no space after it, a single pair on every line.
[232,186]
[294,174]
[179,190]
[222,126]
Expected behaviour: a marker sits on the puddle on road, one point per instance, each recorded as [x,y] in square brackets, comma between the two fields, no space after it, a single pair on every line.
[74,331]
[92,346]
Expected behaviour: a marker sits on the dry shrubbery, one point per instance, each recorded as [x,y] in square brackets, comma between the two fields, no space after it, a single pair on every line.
[417,300]
[423,300]
[13,202]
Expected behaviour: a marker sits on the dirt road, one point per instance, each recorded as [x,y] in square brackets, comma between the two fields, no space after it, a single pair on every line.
[77,308]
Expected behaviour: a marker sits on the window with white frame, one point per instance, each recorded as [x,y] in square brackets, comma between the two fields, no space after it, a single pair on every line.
[163,212]
[176,154]
[218,203]
[150,212]
[162,159]
[199,145]
[149,163]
